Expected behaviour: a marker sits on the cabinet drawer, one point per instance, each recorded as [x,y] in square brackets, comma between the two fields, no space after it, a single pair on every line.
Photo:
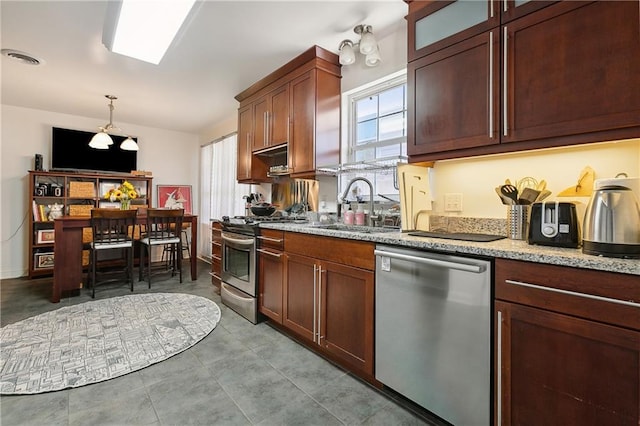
[271,238]
[345,252]
[602,296]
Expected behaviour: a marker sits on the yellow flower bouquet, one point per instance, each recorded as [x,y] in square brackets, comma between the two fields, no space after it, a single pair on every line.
[124,193]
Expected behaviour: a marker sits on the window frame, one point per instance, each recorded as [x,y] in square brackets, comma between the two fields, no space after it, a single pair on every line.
[353,96]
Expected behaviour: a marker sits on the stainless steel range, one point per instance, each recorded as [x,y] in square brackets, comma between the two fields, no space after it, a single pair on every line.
[239,289]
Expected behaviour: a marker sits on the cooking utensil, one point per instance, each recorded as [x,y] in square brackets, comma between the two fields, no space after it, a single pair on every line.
[264,209]
[505,200]
[543,195]
[511,192]
[528,196]
[526,182]
[542,185]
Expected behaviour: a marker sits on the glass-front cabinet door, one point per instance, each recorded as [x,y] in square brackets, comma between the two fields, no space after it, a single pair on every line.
[443,23]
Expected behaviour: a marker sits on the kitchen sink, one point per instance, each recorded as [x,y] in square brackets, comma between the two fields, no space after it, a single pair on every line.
[356,228]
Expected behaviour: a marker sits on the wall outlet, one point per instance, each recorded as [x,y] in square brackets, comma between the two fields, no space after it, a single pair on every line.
[453,202]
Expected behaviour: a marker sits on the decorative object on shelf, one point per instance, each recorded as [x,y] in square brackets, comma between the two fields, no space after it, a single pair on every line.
[367,46]
[175,197]
[102,140]
[45,236]
[55,210]
[43,260]
[123,193]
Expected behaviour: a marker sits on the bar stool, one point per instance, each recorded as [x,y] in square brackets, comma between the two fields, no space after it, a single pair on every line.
[112,230]
[161,230]
[186,244]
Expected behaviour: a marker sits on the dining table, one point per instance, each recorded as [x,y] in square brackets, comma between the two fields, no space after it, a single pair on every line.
[68,268]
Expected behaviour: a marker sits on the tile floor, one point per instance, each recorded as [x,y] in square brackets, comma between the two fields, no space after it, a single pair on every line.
[241,374]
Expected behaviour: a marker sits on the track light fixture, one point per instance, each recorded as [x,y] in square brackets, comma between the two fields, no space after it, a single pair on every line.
[102,140]
[366,46]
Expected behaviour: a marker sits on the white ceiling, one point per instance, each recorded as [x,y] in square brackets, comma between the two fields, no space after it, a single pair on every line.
[225,48]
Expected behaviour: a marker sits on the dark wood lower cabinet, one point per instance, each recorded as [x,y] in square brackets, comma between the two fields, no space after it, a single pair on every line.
[331,305]
[300,296]
[328,304]
[346,314]
[563,356]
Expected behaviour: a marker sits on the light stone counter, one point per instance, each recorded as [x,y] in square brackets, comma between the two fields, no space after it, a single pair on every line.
[506,248]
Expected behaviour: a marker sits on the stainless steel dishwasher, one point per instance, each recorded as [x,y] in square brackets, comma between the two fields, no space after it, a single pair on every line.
[433,331]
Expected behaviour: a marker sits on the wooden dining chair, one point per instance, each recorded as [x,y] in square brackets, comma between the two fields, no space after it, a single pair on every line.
[162,229]
[112,230]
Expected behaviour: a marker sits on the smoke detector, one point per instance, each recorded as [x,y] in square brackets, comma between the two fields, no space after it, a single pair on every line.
[21,57]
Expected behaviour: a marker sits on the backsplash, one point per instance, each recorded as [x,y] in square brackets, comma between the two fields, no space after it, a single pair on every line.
[479,225]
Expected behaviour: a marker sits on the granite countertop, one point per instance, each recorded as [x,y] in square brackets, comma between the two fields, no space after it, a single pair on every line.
[506,248]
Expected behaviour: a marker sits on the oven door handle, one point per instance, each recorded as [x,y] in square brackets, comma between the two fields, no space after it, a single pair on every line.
[244,242]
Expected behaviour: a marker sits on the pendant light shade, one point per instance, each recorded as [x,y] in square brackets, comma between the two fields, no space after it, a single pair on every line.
[367,41]
[129,144]
[347,55]
[101,140]
[373,58]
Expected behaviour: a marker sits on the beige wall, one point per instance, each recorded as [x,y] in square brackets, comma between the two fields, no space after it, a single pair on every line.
[476,178]
[173,157]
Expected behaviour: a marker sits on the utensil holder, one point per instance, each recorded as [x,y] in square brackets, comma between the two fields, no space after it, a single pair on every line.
[517,221]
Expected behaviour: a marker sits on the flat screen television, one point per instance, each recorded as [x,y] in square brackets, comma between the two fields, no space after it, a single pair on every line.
[70,151]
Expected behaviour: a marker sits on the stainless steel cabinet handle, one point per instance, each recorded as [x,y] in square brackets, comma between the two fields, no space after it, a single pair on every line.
[247,157]
[574,293]
[248,242]
[274,240]
[320,337]
[264,128]
[491,79]
[433,262]
[499,369]
[491,8]
[505,5]
[278,255]
[315,301]
[505,78]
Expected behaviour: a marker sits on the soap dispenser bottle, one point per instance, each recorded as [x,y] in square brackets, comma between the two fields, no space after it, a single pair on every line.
[360,216]
[348,216]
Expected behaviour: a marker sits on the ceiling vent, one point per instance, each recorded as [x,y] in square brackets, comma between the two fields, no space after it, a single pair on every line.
[22,57]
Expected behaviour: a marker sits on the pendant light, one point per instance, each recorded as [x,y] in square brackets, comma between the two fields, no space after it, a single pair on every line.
[102,140]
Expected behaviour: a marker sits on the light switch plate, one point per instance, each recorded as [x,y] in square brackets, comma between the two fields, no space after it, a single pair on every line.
[453,202]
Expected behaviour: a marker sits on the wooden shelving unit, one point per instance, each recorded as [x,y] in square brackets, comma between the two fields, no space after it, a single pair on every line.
[77,193]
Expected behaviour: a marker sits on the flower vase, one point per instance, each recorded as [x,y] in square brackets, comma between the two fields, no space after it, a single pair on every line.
[124,204]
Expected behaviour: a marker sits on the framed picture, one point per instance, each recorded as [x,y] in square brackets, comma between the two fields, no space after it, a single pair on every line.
[43,260]
[106,187]
[175,197]
[45,236]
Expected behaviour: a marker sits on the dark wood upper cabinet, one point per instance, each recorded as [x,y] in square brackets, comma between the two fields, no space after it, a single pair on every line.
[572,68]
[271,119]
[296,115]
[568,72]
[455,95]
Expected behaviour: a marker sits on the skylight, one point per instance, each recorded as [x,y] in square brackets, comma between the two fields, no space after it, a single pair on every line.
[145,29]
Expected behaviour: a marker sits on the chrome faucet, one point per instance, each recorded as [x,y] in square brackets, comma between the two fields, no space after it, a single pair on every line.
[346,192]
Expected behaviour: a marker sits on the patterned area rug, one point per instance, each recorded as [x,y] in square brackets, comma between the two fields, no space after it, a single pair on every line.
[96,341]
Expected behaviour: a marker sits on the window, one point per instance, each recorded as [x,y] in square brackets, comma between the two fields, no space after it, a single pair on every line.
[377,130]
[378,121]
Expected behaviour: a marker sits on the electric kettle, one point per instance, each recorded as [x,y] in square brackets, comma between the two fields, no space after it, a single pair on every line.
[611,225]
